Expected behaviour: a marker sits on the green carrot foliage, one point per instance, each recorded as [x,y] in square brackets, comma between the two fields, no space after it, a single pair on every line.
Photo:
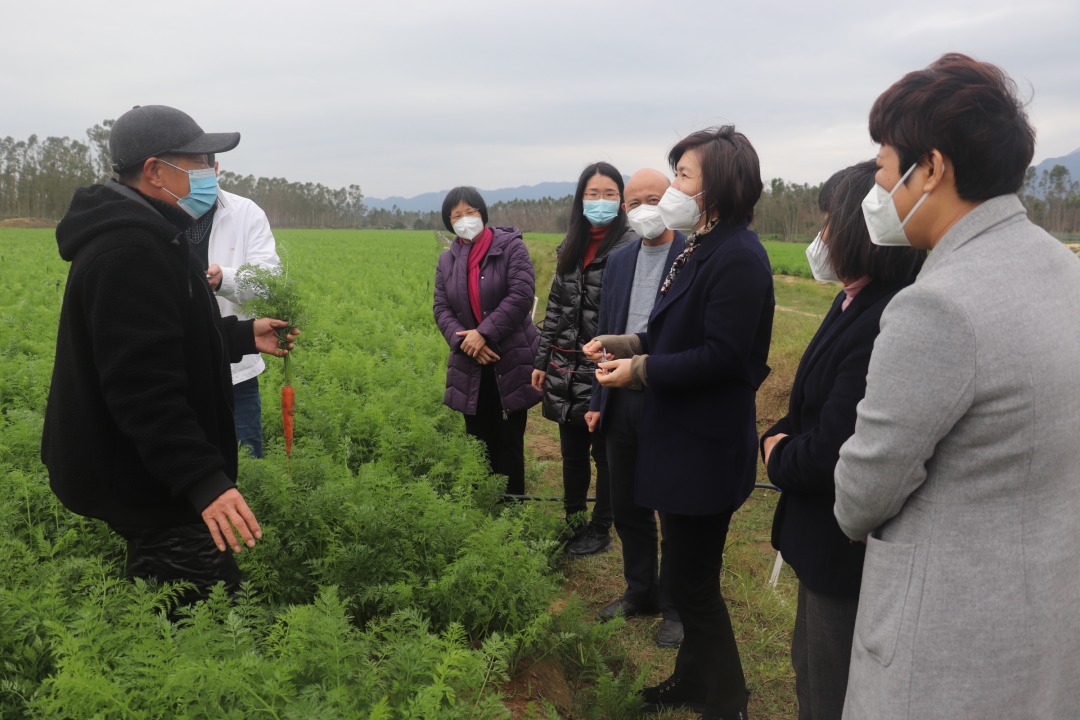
[388,584]
[270,293]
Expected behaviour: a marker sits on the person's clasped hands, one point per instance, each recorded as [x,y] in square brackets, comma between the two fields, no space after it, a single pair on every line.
[475,346]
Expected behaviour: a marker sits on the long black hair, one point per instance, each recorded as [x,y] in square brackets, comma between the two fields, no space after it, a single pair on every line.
[578,235]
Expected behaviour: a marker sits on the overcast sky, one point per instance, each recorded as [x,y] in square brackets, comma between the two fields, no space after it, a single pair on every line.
[404,97]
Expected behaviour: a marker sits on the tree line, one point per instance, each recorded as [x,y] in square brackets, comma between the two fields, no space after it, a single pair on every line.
[1052,200]
[38,178]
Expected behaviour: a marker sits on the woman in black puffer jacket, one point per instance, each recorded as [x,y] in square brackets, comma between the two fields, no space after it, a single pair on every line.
[597,227]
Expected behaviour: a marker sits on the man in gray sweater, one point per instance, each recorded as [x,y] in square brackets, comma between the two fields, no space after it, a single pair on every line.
[631,286]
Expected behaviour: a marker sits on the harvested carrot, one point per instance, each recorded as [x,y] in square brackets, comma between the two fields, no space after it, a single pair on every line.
[272,294]
[288,406]
[288,401]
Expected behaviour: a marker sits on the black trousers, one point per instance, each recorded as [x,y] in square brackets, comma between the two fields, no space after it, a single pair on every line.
[647,580]
[709,656]
[504,438]
[821,652]
[186,552]
[576,441]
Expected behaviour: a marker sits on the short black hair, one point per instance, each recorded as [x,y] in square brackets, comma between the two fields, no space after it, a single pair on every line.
[471,196]
[851,253]
[730,172]
[130,175]
[967,110]
[210,158]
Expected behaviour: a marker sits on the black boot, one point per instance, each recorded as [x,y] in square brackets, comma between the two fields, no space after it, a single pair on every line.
[594,541]
[739,714]
[673,694]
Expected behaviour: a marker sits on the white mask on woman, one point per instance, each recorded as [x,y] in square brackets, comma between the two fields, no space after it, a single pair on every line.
[468,227]
[646,221]
[882,219]
[679,210]
[820,264]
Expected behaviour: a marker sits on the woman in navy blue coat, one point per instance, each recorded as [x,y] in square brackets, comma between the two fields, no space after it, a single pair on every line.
[802,449]
[701,362]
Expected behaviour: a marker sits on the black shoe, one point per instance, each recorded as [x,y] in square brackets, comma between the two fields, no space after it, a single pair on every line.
[739,714]
[594,541]
[624,608]
[673,694]
[670,634]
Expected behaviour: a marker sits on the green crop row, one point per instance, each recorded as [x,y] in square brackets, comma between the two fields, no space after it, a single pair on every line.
[389,583]
[788,258]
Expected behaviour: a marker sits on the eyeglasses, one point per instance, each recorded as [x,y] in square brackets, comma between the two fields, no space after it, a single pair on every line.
[605,196]
[454,217]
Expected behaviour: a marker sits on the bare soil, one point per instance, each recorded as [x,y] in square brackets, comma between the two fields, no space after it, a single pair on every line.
[22,223]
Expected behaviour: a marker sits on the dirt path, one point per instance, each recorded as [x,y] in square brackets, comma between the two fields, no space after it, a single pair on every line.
[762,616]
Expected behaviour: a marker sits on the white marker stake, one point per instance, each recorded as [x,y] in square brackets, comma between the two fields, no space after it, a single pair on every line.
[775,577]
[533,315]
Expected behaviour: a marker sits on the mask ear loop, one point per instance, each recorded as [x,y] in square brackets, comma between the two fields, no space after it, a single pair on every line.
[925,195]
[166,162]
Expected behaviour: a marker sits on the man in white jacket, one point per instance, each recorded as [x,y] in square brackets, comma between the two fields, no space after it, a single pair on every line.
[240,235]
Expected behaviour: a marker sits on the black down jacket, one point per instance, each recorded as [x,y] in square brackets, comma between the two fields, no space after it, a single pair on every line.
[573,311]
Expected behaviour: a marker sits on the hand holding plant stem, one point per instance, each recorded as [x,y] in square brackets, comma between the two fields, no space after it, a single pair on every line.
[270,339]
[273,295]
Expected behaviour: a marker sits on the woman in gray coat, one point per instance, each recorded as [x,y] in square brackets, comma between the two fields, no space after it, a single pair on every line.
[963,475]
[484,287]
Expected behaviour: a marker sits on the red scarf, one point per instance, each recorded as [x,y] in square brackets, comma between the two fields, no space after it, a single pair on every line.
[477,252]
[594,244]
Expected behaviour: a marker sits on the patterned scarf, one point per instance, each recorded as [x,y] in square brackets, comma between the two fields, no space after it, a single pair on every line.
[692,242]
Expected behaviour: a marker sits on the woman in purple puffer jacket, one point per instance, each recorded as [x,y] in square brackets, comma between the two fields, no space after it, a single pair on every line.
[484,287]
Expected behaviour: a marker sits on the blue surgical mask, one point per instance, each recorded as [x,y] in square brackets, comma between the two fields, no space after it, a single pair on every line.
[203,193]
[601,212]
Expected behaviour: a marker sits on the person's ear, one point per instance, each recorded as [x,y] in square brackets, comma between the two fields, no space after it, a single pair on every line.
[935,170]
[217,167]
[624,207]
[152,172]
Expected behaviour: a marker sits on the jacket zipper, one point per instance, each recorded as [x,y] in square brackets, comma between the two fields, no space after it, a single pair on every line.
[498,387]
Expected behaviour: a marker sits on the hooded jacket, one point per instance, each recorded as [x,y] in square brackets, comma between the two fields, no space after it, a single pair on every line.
[506,297]
[573,313]
[139,426]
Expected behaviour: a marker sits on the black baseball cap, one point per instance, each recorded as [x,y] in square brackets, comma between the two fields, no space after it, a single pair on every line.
[148,130]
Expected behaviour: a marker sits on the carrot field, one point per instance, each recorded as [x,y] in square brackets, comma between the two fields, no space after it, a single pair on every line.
[389,583]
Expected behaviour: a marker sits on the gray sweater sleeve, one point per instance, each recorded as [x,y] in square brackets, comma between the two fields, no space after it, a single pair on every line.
[920,383]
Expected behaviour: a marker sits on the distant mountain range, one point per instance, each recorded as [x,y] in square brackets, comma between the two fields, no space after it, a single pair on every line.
[1071,161]
[431,201]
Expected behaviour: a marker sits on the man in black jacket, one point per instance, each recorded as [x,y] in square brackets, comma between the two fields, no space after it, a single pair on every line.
[138,428]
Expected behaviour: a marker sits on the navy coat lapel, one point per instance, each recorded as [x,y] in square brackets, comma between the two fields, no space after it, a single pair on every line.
[826,333]
[833,326]
[677,246]
[623,286]
[711,242]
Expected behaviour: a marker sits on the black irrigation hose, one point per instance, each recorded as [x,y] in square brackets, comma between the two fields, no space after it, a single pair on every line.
[757,486]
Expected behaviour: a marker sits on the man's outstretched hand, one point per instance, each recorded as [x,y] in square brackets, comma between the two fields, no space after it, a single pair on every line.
[266,339]
[229,511]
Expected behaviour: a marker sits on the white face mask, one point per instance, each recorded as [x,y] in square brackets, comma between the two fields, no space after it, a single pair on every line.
[820,264]
[468,227]
[882,220]
[679,210]
[646,221]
